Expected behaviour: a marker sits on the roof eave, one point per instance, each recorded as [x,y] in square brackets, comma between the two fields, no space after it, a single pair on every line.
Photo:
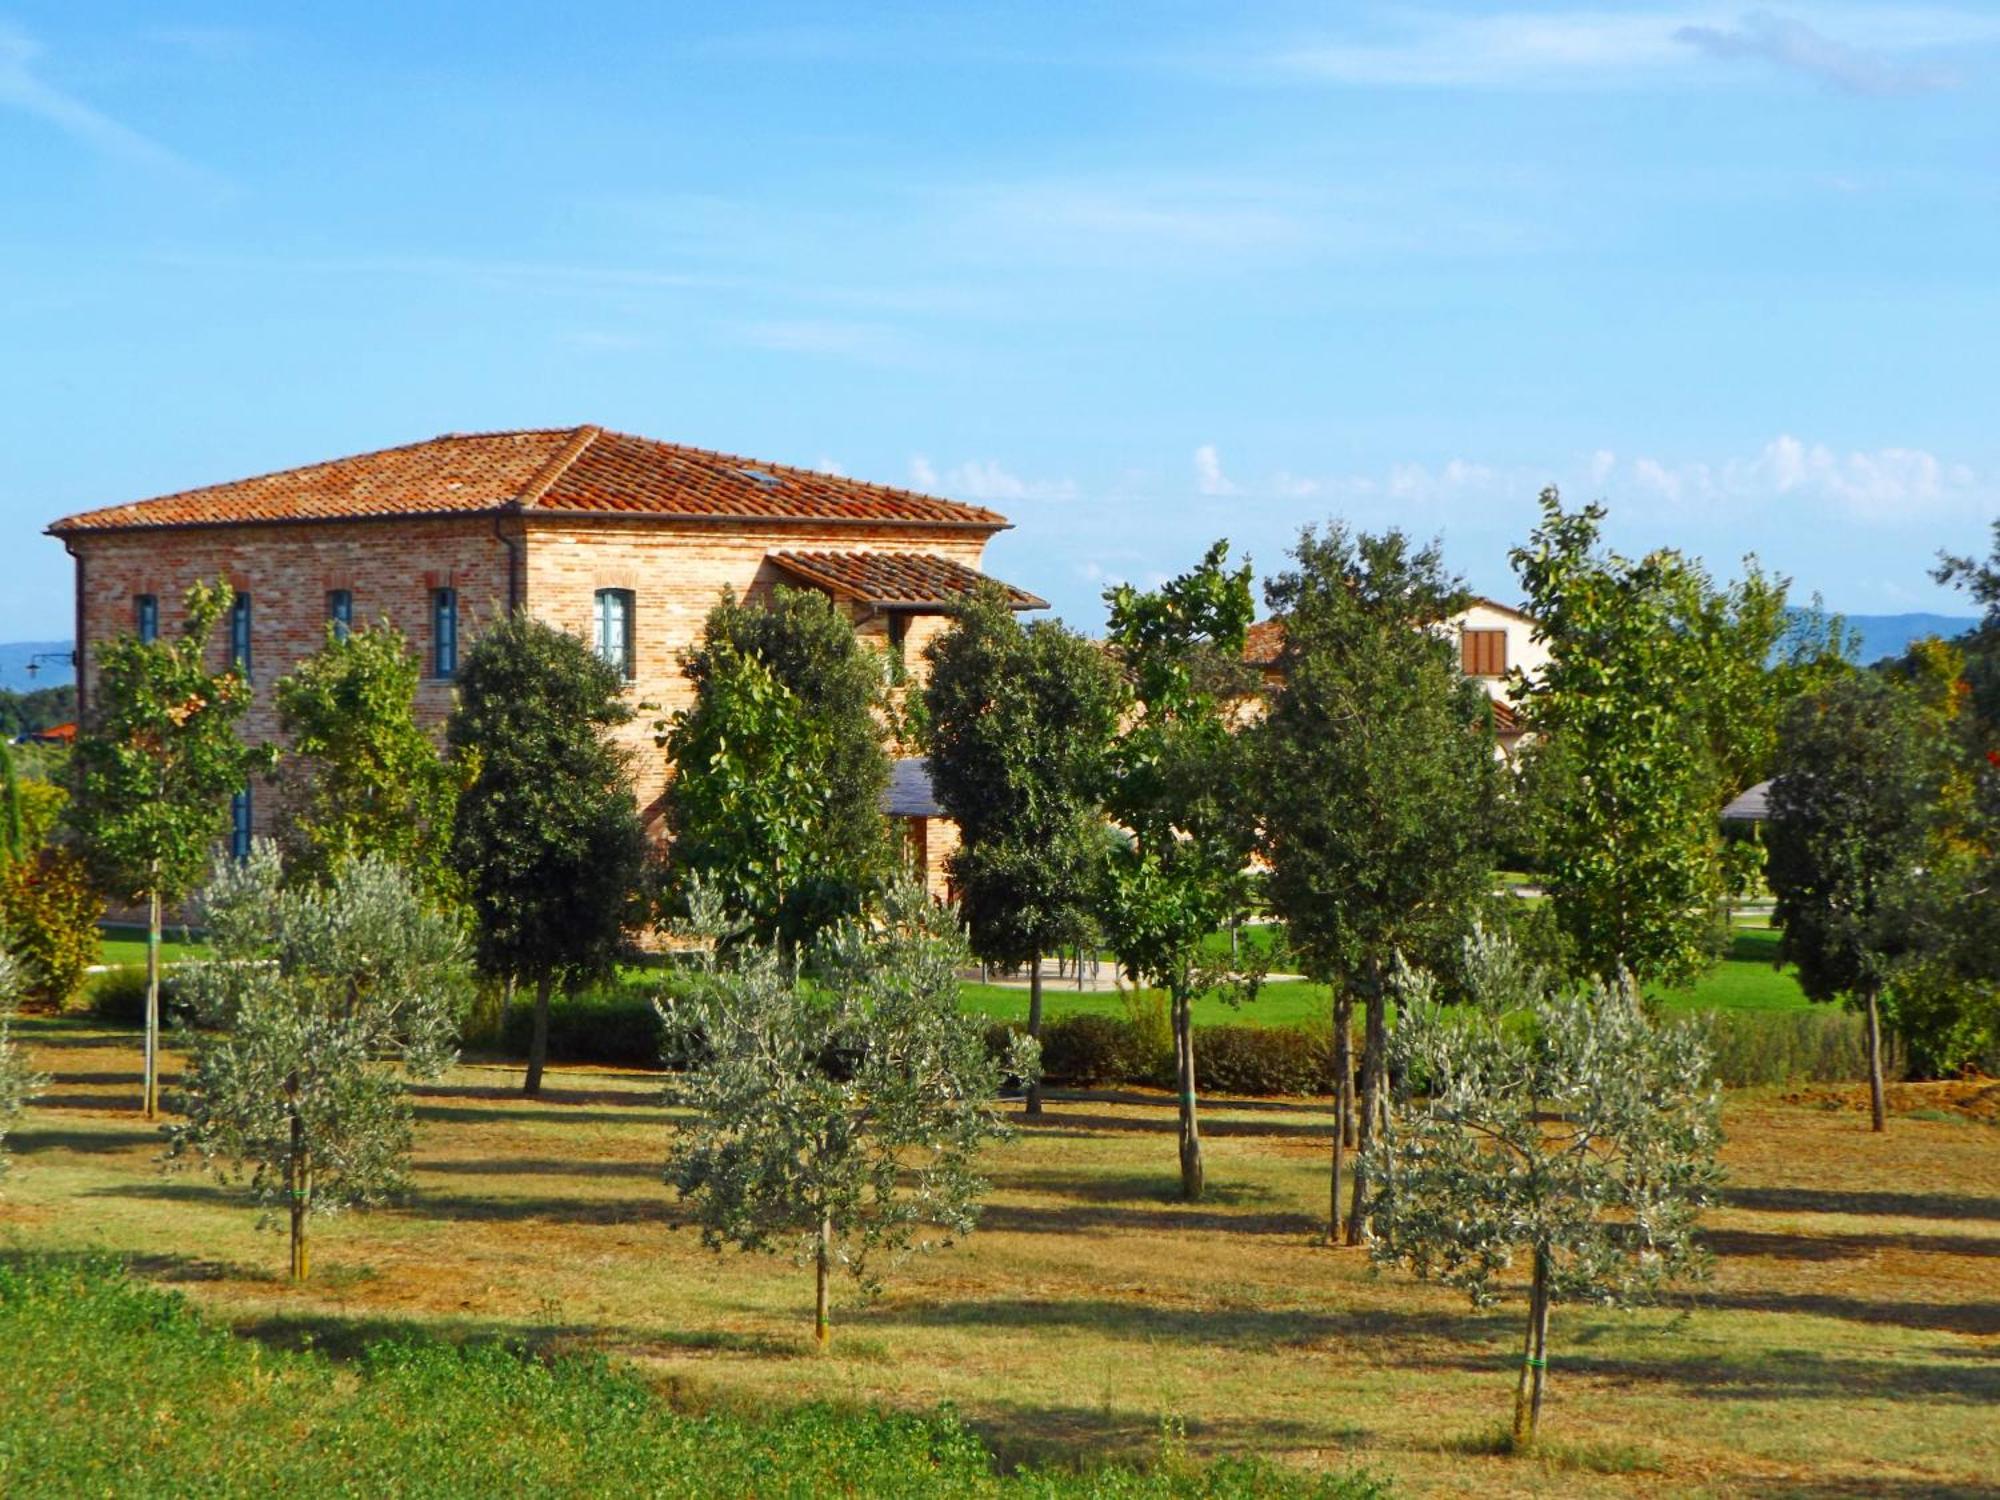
[69,527]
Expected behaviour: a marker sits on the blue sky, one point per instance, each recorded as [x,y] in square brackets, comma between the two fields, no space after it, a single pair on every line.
[1137,275]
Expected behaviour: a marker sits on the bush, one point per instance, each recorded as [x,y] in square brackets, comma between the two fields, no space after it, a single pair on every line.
[118,996]
[1821,1045]
[1264,1059]
[611,1023]
[48,913]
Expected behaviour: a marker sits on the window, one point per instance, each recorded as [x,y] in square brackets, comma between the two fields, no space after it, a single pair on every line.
[340,611]
[614,629]
[239,825]
[899,656]
[444,633]
[146,617]
[239,633]
[1484,653]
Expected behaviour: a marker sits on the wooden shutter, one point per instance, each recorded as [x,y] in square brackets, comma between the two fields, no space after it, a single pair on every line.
[1484,653]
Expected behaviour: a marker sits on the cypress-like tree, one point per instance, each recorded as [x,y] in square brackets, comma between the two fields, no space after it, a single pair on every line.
[1019,722]
[780,765]
[1377,764]
[547,840]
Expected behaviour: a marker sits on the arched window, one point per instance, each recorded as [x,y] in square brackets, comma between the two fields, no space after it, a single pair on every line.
[340,611]
[239,824]
[239,633]
[146,617]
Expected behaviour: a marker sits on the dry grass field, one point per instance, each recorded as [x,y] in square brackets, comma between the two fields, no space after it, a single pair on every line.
[1848,1345]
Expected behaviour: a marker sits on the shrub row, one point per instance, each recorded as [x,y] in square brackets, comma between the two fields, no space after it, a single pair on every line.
[1091,1051]
[1825,1044]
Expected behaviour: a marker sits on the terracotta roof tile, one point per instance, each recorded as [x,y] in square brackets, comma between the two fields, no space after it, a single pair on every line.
[1263,641]
[911,580]
[555,470]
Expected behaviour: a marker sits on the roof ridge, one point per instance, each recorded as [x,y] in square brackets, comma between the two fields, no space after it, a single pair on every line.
[579,439]
[813,474]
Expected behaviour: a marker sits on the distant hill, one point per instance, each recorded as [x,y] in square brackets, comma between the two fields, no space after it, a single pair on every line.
[1891,635]
[14,656]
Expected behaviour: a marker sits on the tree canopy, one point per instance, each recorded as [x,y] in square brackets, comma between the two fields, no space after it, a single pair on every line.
[1019,723]
[360,775]
[780,765]
[1377,774]
[547,839]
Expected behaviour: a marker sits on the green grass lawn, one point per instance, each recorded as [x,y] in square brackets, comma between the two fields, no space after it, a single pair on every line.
[127,945]
[1285,1003]
[1745,980]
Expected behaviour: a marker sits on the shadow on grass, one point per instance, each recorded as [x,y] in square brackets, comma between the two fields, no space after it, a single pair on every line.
[1951,1317]
[1816,1246]
[505,1095]
[545,1167]
[1233,1327]
[448,1206]
[173,1269]
[1137,1201]
[1020,1434]
[1784,1375]
[452,1114]
[1866,1488]
[1889,1205]
[1061,1122]
[85,1142]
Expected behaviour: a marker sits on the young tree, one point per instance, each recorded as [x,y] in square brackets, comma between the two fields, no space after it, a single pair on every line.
[1378,771]
[547,839]
[1627,721]
[1981,581]
[843,1118]
[1019,728]
[780,766]
[1180,787]
[361,776]
[1558,1126]
[152,774]
[18,1083]
[316,995]
[1853,840]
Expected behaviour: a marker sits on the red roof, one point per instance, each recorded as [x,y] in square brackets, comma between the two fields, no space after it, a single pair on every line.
[1263,641]
[553,471]
[892,580]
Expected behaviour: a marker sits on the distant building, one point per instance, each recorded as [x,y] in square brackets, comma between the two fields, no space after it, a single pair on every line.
[1494,640]
[624,541]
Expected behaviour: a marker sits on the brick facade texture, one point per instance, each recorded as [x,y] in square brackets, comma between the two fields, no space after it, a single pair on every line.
[674,570]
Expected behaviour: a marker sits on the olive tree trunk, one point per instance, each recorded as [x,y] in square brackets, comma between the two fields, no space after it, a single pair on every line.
[1877,1108]
[301,1199]
[822,1263]
[538,1041]
[1343,1102]
[1190,1127]
[1034,1105]
[1534,1357]
[152,1004]
[1374,1065]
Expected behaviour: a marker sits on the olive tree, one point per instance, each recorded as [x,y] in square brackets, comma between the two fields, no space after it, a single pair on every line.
[842,1117]
[1546,1123]
[18,1083]
[315,999]
[153,771]
[1019,721]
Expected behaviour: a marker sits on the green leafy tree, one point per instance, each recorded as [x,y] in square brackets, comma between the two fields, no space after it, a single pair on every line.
[13,827]
[780,765]
[547,840]
[18,1082]
[361,776]
[152,774]
[1019,723]
[1627,729]
[1378,775]
[1181,788]
[1854,841]
[318,996]
[1547,1124]
[844,1118]
[1980,579]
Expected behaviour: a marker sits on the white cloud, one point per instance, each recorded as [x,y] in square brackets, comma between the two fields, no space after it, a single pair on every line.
[1602,462]
[1293,486]
[1612,47]
[1208,476]
[985,481]
[1786,42]
[830,466]
[1878,484]
[23,90]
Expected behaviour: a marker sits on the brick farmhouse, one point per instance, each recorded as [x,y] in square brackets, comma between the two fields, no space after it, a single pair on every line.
[625,541]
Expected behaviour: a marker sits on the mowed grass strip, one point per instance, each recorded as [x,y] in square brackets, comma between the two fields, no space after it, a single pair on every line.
[1847,1342]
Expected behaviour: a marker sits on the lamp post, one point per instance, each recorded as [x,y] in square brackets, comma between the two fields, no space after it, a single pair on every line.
[35,661]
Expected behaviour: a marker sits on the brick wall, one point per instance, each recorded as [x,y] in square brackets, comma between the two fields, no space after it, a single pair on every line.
[675,572]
